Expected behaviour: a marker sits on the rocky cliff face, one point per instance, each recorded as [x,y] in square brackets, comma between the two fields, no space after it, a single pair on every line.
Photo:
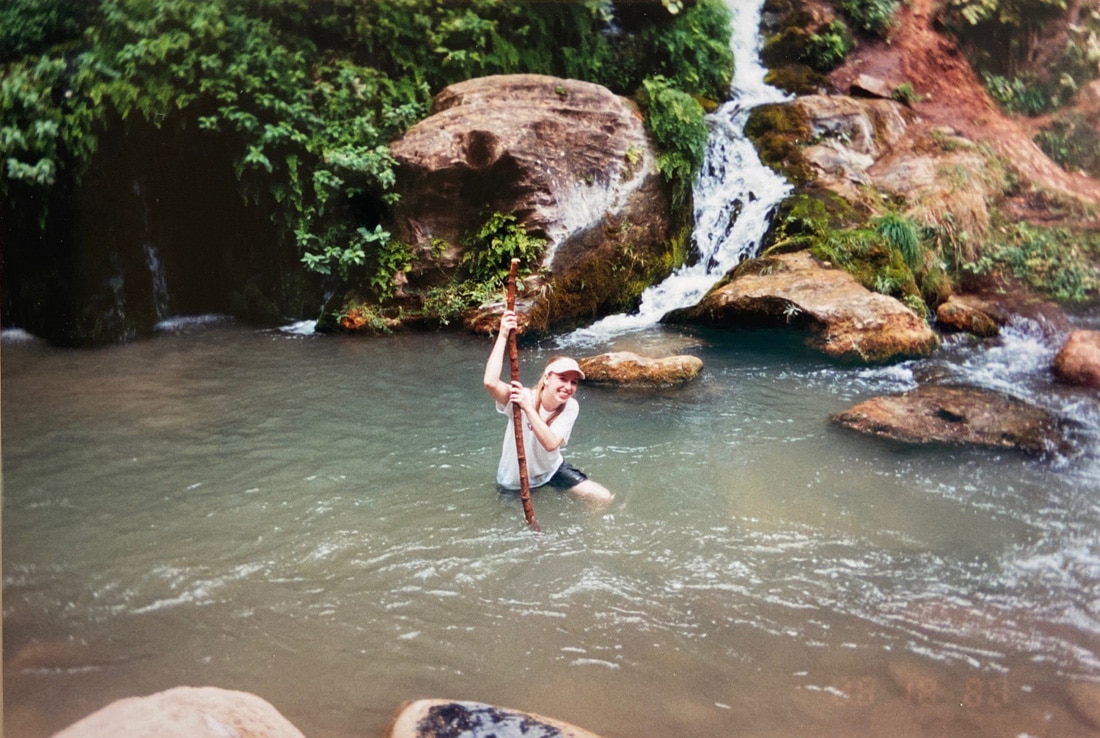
[571,160]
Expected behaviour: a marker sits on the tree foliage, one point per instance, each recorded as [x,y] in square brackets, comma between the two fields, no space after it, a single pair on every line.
[307,95]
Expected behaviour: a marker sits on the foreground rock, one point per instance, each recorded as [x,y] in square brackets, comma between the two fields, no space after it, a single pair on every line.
[1078,362]
[185,712]
[625,368]
[845,320]
[963,416]
[569,159]
[445,719]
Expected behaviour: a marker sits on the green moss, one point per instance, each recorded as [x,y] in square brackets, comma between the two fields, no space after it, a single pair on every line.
[798,79]
[611,275]
[807,217]
[869,257]
[786,47]
[780,130]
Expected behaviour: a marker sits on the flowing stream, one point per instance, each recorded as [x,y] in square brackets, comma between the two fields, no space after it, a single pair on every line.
[313,519]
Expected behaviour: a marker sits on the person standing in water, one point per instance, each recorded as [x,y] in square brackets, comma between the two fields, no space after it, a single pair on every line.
[549,411]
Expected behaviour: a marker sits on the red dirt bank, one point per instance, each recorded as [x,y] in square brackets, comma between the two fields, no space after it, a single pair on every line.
[952,95]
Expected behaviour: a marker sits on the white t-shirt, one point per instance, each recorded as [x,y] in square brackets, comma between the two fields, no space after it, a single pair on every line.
[541,464]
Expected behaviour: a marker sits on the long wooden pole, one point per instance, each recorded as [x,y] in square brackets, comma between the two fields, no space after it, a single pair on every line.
[517,413]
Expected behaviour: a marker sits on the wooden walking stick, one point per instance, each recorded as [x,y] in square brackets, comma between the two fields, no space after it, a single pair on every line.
[517,413]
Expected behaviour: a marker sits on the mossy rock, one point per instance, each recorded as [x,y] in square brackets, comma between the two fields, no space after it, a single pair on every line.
[779,131]
[862,253]
[799,79]
[607,279]
[806,216]
[789,46]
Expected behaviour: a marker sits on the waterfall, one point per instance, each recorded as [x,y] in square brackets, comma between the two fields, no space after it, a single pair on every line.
[161,303]
[734,193]
[159,282]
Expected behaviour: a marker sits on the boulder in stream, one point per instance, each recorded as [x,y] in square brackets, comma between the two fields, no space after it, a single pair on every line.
[958,315]
[845,320]
[185,712]
[628,369]
[959,416]
[1078,362]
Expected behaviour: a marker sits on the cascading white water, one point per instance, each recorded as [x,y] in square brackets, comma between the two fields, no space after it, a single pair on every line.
[734,193]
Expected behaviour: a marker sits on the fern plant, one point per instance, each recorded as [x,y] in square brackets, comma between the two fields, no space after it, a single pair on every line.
[491,248]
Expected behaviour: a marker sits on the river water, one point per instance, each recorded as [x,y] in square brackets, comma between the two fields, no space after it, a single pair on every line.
[314,520]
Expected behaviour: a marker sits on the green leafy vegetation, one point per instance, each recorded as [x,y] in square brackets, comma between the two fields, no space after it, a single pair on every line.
[1029,64]
[305,96]
[1073,142]
[486,262]
[892,255]
[875,17]
[1024,95]
[491,248]
[678,125]
[827,50]
[32,26]
[905,94]
[1058,262]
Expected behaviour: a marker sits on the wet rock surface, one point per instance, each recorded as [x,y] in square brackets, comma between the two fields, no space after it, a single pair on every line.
[1078,362]
[957,416]
[628,369]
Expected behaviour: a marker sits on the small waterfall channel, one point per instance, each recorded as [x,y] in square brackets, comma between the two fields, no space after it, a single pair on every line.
[161,298]
[735,193]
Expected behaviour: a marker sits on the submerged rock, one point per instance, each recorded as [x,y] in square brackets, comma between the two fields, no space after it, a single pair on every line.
[1078,362]
[964,416]
[447,719]
[846,320]
[186,712]
[626,368]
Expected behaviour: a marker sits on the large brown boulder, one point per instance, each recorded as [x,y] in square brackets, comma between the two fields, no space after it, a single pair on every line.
[185,712]
[628,369]
[1078,362]
[845,320]
[569,159]
[963,416]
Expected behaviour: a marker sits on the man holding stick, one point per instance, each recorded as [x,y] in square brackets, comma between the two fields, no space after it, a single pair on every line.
[549,411]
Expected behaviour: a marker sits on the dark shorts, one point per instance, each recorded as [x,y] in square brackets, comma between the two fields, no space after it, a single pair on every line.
[566,477]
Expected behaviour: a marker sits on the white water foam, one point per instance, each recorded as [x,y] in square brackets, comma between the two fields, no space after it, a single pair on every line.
[300,328]
[188,323]
[17,335]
